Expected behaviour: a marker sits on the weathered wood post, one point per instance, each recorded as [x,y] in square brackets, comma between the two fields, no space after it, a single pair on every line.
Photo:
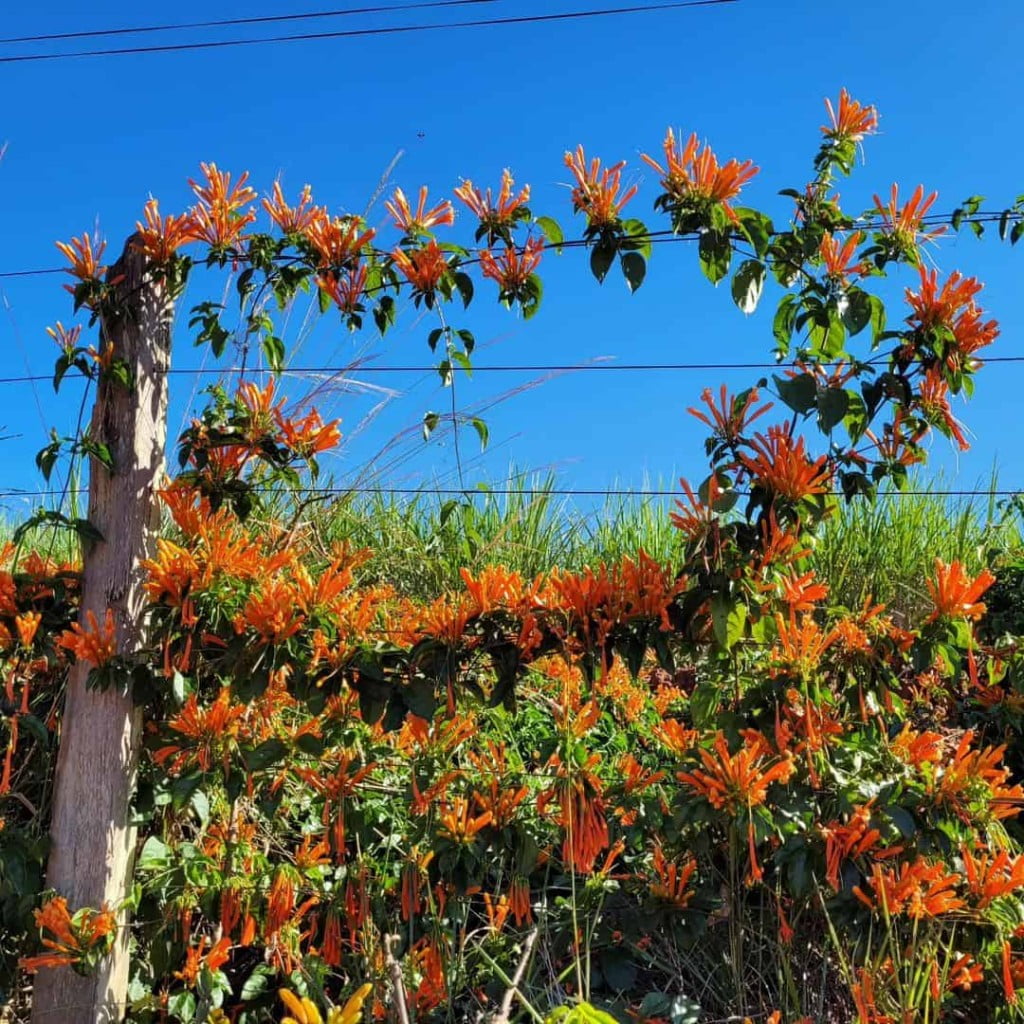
[92,841]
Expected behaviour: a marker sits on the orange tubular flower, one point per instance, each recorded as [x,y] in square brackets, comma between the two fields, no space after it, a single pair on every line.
[800,646]
[84,260]
[731,417]
[953,308]
[696,519]
[918,889]
[801,593]
[782,466]
[990,877]
[161,237]
[310,435]
[851,122]
[422,220]
[345,289]
[596,192]
[933,401]
[955,594]
[423,268]
[27,624]
[95,645]
[337,240]
[494,216]
[210,732]
[457,822]
[73,939]
[512,269]
[906,223]
[845,841]
[838,256]
[972,775]
[292,220]
[740,781]
[195,960]
[964,974]
[672,880]
[271,612]
[218,218]
[693,175]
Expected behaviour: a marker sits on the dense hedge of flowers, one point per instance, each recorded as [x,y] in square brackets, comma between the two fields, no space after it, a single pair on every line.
[710,792]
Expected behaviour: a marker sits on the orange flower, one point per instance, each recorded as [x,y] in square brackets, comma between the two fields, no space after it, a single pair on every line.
[84,260]
[95,645]
[346,289]
[693,175]
[160,238]
[422,220]
[851,122]
[74,940]
[917,889]
[310,435]
[844,841]
[337,240]
[782,466]
[955,594]
[990,877]
[27,624]
[217,218]
[672,880]
[423,268]
[933,400]
[512,270]
[67,340]
[964,974]
[838,257]
[271,612]
[195,960]
[292,220]
[975,776]
[906,223]
[212,731]
[800,646]
[733,414]
[740,781]
[596,192]
[801,593]
[458,823]
[494,216]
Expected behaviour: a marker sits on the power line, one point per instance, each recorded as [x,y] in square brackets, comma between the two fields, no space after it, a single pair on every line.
[662,237]
[297,371]
[365,32]
[268,19]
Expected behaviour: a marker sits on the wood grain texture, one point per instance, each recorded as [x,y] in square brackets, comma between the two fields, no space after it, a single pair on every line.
[93,843]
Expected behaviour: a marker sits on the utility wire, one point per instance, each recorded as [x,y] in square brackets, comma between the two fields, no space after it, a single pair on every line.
[365,32]
[226,22]
[298,371]
[662,237]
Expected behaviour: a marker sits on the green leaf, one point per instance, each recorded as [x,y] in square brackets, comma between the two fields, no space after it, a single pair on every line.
[800,393]
[273,349]
[155,855]
[481,429]
[267,753]
[634,268]
[728,620]
[601,257]
[833,404]
[464,284]
[257,983]
[704,704]
[748,284]
[757,227]
[715,255]
[858,310]
[551,231]
[430,422]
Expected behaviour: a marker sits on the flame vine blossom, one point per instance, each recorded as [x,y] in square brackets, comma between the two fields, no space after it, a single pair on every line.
[78,940]
[596,192]
[695,182]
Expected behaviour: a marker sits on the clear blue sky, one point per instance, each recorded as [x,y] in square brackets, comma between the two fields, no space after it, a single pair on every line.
[90,139]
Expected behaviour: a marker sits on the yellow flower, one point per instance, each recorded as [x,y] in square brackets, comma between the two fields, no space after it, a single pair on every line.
[304,1010]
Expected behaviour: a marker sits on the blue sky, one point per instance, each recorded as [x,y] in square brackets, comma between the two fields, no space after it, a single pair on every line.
[90,140]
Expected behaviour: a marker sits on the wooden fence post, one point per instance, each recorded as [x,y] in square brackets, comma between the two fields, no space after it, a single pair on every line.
[93,843]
